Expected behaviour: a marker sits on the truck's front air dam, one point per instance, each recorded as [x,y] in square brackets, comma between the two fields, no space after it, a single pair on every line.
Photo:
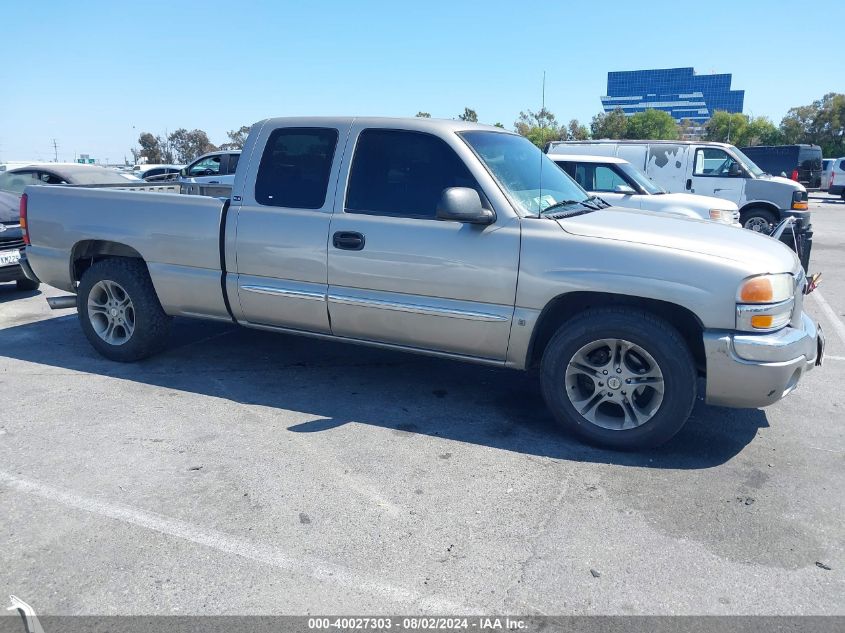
[61,303]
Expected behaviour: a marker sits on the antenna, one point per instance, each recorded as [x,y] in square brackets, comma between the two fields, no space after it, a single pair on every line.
[543,137]
[55,152]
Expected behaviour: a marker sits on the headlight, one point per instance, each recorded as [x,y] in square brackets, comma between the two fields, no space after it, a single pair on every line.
[724,215]
[799,201]
[765,302]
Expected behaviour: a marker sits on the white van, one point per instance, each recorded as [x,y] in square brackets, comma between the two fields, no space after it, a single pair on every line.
[709,169]
[621,184]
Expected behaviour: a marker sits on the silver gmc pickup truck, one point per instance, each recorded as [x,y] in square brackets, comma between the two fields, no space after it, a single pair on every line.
[444,238]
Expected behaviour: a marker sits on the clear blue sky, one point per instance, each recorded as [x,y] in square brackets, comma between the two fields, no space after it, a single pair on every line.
[95,74]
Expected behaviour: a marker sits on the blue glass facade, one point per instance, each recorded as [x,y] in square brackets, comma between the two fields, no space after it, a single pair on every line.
[678,91]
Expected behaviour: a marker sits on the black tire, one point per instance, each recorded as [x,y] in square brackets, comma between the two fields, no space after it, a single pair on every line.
[759,220]
[27,284]
[656,337]
[151,324]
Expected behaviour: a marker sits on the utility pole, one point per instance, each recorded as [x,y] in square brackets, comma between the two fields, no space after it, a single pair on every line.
[55,152]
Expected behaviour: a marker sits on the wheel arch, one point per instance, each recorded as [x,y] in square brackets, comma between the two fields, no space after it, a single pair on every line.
[564,306]
[87,252]
[760,204]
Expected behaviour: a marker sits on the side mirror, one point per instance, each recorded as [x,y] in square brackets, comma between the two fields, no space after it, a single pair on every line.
[183,172]
[463,204]
[624,189]
[734,170]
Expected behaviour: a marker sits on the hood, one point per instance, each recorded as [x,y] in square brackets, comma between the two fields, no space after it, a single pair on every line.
[785,181]
[9,207]
[759,252]
[694,201]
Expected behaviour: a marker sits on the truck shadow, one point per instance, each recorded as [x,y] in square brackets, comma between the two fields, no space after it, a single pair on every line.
[338,383]
[9,292]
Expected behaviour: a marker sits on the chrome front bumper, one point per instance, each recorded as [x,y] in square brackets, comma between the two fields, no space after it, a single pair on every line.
[756,370]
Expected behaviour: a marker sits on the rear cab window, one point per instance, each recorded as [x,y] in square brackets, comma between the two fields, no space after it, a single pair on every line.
[295,167]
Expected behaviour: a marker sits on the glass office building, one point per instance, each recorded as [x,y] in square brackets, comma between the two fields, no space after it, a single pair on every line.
[678,91]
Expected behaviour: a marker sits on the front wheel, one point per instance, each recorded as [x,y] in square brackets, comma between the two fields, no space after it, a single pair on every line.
[119,310]
[619,377]
[758,220]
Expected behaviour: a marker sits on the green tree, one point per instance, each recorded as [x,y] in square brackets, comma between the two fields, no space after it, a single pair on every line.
[741,130]
[150,147]
[726,127]
[653,125]
[576,131]
[612,125]
[188,145]
[237,138]
[497,124]
[540,127]
[423,115]
[821,122]
[469,115]
[761,131]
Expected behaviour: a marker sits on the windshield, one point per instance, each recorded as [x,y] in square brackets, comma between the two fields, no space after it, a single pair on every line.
[641,179]
[749,164]
[517,164]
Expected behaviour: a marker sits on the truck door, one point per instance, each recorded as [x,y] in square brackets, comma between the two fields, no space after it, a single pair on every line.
[716,173]
[282,227]
[396,273]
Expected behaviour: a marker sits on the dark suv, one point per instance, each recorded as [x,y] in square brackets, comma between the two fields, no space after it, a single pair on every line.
[801,163]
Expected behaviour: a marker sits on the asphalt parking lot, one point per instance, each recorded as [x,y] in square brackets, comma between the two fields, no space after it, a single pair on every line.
[247,472]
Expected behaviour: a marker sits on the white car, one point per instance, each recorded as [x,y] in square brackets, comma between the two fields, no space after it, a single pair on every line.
[215,168]
[621,184]
[833,176]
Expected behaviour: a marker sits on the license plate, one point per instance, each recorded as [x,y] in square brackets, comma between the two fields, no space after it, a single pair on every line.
[9,257]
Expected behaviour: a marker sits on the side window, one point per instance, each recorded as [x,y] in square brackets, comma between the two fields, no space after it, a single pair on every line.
[295,167]
[607,179]
[206,167]
[842,165]
[17,181]
[233,163]
[712,161]
[584,175]
[51,179]
[403,174]
[569,168]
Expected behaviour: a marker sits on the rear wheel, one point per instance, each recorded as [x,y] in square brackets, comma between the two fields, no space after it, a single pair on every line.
[619,377]
[119,311]
[758,220]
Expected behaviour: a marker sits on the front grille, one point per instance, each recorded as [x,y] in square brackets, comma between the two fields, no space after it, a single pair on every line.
[6,245]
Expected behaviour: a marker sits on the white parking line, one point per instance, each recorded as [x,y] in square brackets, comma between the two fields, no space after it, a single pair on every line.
[830,313]
[267,554]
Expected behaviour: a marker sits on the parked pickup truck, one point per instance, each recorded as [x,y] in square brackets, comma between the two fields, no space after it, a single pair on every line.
[445,238]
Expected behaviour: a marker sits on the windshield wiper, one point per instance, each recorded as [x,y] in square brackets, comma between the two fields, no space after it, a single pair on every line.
[568,203]
[600,202]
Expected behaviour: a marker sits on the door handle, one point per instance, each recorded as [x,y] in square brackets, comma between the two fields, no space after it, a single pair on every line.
[213,182]
[348,241]
[689,184]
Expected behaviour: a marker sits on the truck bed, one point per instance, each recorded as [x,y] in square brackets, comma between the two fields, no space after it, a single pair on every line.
[178,236]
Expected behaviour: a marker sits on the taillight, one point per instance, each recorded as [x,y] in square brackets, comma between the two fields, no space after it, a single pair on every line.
[794,175]
[24,199]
